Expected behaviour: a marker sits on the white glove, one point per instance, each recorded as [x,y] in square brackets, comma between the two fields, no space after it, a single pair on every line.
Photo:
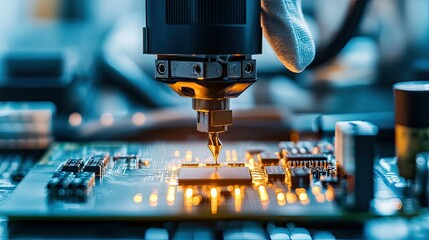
[285,28]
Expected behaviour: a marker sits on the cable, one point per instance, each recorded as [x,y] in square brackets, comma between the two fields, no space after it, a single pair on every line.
[344,34]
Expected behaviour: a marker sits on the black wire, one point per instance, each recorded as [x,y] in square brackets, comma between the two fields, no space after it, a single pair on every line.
[345,33]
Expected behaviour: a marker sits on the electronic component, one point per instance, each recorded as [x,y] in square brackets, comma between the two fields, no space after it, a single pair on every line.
[124,157]
[73,165]
[274,172]
[97,164]
[307,160]
[328,180]
[268,158]
[319,172]
[287,147]
[355,154]
[214,175]
[411,124]
[189,164]
[306,157]
[238,164]
[300,177]
[422,178]
[132,160]
[70,187]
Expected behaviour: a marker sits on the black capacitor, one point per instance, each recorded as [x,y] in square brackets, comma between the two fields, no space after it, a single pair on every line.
[202,27]
[355,155]
[411,124]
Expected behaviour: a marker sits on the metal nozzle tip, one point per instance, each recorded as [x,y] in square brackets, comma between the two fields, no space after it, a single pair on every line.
[214,145]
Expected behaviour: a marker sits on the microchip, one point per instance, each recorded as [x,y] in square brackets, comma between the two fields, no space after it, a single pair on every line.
[73,165]
[300,177]
[126,156]
[97,164]
[237,164]
[212,165]
[328,180]
[189,164]
[268,158]
[132,160]
[274,172]
[306,157]
[288,147]
[214,175]
[306,160]
[69,187]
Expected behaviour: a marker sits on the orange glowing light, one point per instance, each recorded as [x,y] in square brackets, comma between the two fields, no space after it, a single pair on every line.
[237,192]
[138,198]
[213,193]
[189,192]
[291,197]
[214,200]
[330,194]
[298,191]
[188,156]
[75,119]
[315,190]
[138,119]
[320,198]
[303,197]
[281,197]
[263,194]
[153,197]
[171,195]
[196,200]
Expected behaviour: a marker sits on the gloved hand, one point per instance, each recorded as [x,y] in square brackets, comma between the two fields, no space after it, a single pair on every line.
[286,30]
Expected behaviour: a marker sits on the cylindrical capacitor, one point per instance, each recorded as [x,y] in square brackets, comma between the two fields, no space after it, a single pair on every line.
[411,124]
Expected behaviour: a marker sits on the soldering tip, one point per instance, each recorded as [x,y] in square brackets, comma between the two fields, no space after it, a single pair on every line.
[214,145]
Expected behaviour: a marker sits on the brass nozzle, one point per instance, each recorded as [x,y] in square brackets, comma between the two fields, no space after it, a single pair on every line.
[215,145]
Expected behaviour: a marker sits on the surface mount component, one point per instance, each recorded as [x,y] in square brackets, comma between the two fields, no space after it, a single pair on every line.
[73,165]
[268,158]
[204,51]
[411,124]
[288,147]
[355,153]
[307,160]
[300,177]
[214,176]
[70,187]
[306,157]
[275,172]
[97,164]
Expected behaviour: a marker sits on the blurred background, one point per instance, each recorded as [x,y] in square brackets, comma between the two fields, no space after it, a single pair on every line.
[74,70]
